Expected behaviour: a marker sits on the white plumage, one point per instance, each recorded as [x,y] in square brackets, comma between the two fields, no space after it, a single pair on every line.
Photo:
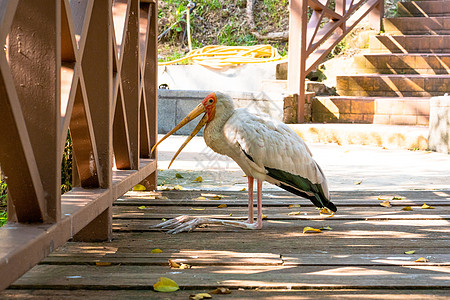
[265,149]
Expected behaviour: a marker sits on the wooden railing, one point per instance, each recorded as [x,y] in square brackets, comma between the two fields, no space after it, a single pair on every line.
[315,27]
[85,67]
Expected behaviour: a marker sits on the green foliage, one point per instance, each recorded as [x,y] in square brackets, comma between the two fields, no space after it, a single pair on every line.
[341,47]
[3,218]
[3,196]
[3,193]
[66,166]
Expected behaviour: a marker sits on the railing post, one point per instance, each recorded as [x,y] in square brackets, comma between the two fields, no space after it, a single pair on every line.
[97,73]
[31,42]
[376,15]
[150,82]
[297,53]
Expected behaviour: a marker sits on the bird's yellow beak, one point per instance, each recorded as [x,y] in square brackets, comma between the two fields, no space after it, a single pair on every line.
[191,116]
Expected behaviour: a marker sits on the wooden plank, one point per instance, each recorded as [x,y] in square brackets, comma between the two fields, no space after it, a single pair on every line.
[281,198]
[247,294]
[251,259]
[275,240]
[277,213]
[294,277]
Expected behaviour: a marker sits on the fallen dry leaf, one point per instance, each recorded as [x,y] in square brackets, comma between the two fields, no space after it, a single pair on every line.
[426,206]
[161,197]
[166,285]
[213,196]
[178,175]
[221,290]
[264,216]
[197,208]
[102,263]
[384,198]
[178,187]
[398,197]
[157,250]
[199,179]
[243,189]
[294,205]
[200,296]
[311,230]
[421,259]
[142,207]
[357,182]
[326,228]
[326,211]
[222,206]
[163,219]
[294,213]
[386,203]
[139,187]
[410,252]
[175,265]
[200,198]
[407,208]
[185,266]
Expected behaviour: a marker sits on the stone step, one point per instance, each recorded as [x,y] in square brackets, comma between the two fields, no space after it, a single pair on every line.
[423,9]
[417,25]
[371,110]
[393,85]
[388,136]
[399,63]
[410,44]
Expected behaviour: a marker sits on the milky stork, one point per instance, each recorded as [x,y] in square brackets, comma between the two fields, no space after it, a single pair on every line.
[265,149]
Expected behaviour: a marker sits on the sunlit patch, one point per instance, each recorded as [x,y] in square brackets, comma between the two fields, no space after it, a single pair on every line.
[250,269]
[353,271]
[440,269]
[442,194]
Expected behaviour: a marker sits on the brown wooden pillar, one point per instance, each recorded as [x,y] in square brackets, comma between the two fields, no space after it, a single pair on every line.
[35,61]
[297,53]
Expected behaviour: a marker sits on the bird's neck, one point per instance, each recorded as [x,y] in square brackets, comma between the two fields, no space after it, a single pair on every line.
[213,134]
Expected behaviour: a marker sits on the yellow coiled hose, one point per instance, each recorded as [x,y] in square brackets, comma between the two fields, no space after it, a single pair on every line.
[222,56]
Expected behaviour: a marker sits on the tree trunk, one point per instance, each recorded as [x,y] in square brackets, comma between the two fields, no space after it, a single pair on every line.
[250,19]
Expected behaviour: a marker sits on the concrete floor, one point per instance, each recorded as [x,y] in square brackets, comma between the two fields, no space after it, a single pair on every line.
[348,168]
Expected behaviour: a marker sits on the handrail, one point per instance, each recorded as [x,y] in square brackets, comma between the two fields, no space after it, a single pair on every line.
[85,67]
[311,39]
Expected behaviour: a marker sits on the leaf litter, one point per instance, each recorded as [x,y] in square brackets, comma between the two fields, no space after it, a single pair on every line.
[166,285]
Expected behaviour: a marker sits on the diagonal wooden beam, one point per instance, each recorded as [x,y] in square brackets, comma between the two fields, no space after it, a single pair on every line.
[313,26]
[150,74]
[97,72]
[318,6]
[26,194]
[7,12]
[130,78]
[121,141]
[83,140]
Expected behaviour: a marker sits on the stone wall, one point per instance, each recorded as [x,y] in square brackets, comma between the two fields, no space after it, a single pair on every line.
[439,128]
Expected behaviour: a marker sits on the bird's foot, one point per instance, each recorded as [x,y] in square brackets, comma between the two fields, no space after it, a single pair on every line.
[180,224]
[188,223]
[251,224]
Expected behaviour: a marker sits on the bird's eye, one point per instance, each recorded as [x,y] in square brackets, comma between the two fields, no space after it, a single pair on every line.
[210,101]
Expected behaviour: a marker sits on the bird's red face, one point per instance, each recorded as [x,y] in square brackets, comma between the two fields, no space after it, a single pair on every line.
[208,106]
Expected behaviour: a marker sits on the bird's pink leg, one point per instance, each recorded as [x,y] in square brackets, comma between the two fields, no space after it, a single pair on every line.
[259,204]
[187,223]
[250,199]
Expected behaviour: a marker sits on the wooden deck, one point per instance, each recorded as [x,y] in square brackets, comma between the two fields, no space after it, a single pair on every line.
[362,256]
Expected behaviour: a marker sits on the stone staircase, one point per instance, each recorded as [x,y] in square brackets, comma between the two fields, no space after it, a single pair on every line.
[406,66]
